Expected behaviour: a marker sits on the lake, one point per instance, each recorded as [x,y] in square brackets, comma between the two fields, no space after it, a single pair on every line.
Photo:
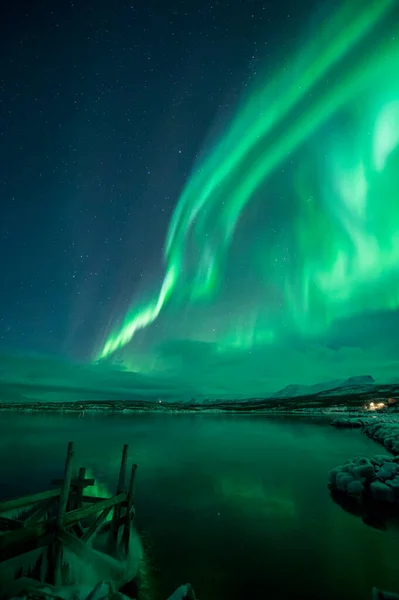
[232,504]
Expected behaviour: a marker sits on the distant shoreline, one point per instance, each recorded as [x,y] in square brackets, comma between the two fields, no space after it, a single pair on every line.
[309,406]
[348,399]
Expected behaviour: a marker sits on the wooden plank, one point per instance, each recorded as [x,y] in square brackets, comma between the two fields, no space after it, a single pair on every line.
[95,527]
[88,511]
[19,538]
[93,499]
[26,539]
[16,503]
[40,512]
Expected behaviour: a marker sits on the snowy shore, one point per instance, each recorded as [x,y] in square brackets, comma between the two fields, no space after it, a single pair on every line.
[365,479]
[373,482]
[381,428]
[344,408]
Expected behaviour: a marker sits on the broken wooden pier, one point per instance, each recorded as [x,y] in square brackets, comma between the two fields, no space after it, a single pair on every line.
[66,516]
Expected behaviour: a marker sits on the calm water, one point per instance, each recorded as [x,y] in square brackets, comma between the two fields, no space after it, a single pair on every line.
[231,504]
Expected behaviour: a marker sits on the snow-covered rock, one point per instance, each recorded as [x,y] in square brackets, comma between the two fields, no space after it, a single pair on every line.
[356,489]
[381,492]
[30,589]
[184,592]
[381,595]
[372,479]
[348,422]
[385,433]
[388,470]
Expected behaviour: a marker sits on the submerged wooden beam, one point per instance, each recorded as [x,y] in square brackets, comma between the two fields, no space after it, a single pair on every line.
[16,503]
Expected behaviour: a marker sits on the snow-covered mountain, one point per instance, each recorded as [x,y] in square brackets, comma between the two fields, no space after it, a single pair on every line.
[336,386]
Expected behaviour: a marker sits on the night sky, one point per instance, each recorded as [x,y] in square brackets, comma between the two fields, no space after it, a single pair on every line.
[202,196]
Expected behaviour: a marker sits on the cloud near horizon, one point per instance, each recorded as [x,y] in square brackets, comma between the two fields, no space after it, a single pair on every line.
[183,369]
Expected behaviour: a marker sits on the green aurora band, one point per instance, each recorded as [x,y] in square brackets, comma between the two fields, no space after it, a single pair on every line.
[345,222]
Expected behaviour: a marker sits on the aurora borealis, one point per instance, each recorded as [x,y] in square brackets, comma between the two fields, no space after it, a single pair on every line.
[237,246]
[345,237]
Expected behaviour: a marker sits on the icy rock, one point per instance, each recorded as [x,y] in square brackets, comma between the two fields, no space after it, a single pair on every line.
[394,485]
[382,492]
[389,441]
[347,422]
[386,433]
[184,592]
[364,471]
[30,589]
[375,478]
[342,481]
[356,489]
[381,595]
[379,459]
[387,471]
[361,460]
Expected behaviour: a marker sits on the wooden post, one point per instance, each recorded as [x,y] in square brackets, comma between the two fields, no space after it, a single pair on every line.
[66,484]
[17,503]
[129,515]
[76,501]
[79,488]
[122,471]
[130,494]
[121,488]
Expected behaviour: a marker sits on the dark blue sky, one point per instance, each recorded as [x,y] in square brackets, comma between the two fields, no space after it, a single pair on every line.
[104,107]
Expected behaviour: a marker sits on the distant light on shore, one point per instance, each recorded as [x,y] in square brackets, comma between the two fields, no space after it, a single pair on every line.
[375,406]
